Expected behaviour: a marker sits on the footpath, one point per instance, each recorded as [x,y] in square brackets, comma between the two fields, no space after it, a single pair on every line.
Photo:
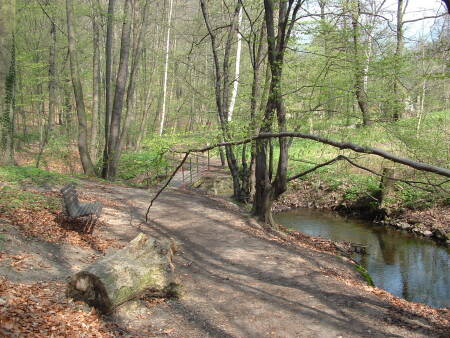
[241,281]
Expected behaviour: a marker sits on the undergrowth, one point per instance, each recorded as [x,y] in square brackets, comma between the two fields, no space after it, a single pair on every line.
[12,198]
[16,175]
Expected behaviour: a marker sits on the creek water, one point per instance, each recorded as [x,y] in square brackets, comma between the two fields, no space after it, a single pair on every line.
[409,267]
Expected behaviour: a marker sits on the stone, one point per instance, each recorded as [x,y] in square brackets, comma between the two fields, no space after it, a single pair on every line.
[427,233]
[403,225]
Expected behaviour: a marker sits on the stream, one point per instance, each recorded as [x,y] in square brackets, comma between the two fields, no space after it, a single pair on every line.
[413,268]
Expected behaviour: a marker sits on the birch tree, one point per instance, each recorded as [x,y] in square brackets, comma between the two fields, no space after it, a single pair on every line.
[237,67]
[166,68]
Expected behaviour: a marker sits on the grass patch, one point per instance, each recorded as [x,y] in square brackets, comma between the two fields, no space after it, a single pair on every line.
[12,198]
[23,175]
[365,274]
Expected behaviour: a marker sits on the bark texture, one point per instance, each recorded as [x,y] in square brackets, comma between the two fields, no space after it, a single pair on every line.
[144,265]
[83,147]
[359,73]
[7,80]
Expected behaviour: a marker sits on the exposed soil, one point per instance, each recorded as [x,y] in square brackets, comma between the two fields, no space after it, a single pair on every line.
[239,279]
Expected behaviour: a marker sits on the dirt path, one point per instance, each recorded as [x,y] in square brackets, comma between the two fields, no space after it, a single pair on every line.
[241,284]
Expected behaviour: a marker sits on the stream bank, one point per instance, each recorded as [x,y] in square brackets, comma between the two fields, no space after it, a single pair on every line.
[400,263]
[432,222]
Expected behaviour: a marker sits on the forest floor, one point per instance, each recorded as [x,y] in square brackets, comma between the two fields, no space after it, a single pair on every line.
[239,279]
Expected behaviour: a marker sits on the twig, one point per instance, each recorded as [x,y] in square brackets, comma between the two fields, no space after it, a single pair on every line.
[51,20]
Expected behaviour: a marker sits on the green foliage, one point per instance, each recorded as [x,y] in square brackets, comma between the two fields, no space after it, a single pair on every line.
[365,274]
[134,164]
[13,198]
[24,175]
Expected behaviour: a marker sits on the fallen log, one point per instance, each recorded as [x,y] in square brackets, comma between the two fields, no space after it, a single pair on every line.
[144,266]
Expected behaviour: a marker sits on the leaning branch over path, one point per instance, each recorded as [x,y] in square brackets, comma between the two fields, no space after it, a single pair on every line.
[166,184]
[341,145]
[342,157]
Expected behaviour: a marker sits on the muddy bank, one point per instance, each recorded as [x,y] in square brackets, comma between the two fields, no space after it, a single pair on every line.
[433,222]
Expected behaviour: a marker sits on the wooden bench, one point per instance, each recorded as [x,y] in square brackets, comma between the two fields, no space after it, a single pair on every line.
[76,209]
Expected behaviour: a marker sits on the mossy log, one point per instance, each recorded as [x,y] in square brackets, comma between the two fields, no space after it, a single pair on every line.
[143,266]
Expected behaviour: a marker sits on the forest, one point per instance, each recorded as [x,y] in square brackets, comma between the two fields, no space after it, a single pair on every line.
[336,105]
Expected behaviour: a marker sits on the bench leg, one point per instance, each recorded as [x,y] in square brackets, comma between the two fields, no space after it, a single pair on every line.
[91,225]
[87,226]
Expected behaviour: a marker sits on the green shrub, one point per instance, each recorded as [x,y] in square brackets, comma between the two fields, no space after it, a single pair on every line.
[134,164]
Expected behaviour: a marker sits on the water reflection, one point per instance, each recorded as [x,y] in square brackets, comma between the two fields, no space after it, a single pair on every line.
[412,268]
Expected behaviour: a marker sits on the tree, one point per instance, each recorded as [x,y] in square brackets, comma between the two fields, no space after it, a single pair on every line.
[222,92]
[51,90]
[83,147]
[7,80]
[397,89]
[108,83]
[359,72]
[96,87]
[166,68]
[113,143]
[267,188]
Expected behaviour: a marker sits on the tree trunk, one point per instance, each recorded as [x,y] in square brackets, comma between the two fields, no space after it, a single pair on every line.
[222,93]
[83,147]
[361,95]
[398,99]
[95,83]
[166,67]
[121,81]
[144,265]
[387,185]
[51,92]
[108,82]
[266,190]
[237,68]
[7,81]
[136,56]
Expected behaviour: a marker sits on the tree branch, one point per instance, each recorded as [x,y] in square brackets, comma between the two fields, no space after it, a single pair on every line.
[340,145]
[166,184]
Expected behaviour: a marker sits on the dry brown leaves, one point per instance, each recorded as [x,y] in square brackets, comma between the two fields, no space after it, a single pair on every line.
[55,228]
[437,217]
[40,309]
[439,317]
[18,262]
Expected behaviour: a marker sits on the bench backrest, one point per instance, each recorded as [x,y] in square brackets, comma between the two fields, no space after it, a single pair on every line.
[70,197]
